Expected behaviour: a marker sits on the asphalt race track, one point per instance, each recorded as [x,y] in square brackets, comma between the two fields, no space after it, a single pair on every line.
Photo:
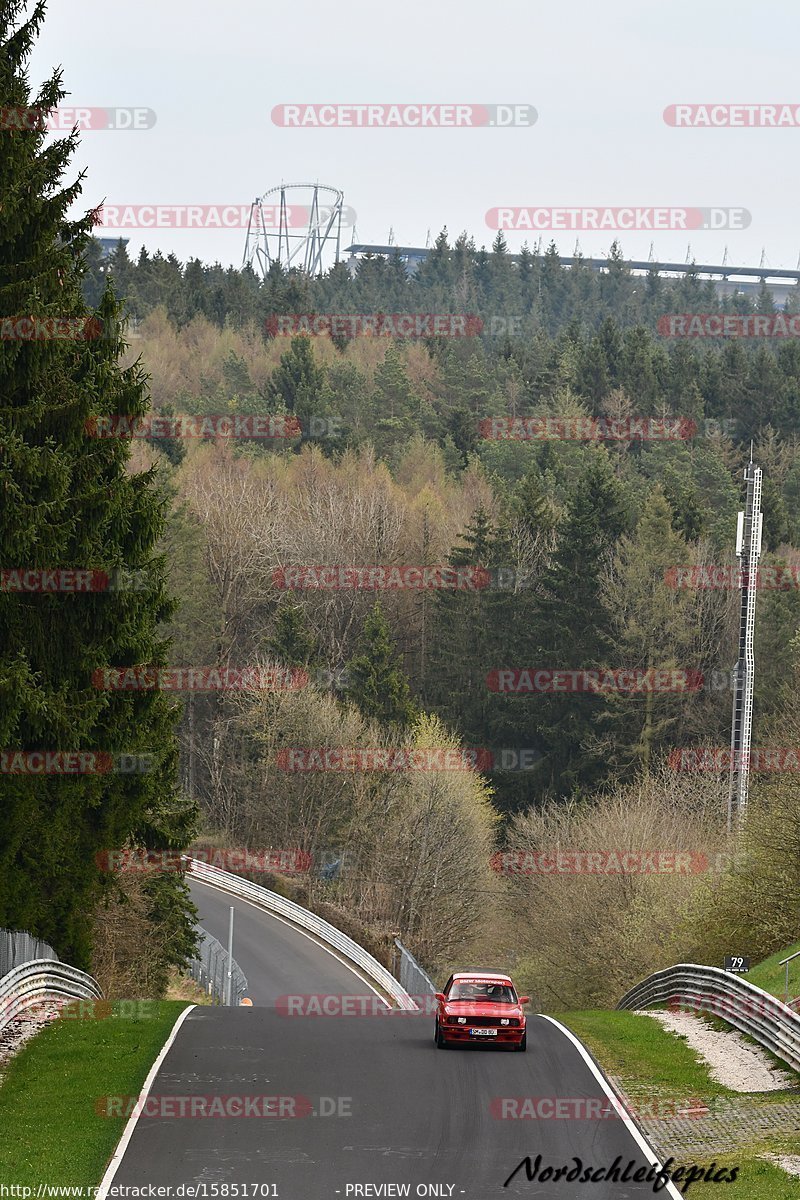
[369,1100]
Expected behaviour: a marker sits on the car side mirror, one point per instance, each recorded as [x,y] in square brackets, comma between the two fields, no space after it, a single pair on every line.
[439,995]
[524,999]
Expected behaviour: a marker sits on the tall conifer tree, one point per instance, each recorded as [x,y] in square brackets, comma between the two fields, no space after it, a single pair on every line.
[68,501]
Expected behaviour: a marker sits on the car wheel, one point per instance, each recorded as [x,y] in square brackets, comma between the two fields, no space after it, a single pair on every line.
[441,1044]
[524,1043]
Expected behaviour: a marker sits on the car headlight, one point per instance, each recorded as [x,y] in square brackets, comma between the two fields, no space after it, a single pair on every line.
[462,1020]
[504,1020]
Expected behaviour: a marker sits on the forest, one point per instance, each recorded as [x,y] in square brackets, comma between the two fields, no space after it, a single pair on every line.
[579,479]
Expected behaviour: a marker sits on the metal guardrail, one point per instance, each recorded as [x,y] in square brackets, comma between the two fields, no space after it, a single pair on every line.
[43,979]
[18,947]
[413,977]
[294,913]
[209,968]
[747,1008]
[785,963]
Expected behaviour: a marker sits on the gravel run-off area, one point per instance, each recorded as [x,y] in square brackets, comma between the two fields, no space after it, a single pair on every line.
[16,1033]
[730,1059]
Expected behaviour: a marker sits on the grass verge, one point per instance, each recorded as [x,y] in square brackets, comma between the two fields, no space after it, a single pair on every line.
[771,978]
[182,987]
[658,1070]
[642,1053]
[51,1131]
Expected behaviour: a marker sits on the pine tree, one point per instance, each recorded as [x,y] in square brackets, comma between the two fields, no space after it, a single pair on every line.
[765,302]
[346,396]
[572,629]
[463,638]
[654,628]
[502,293]
[395,408]
[475,632]
[642,370]
[296,384]
[553,288]
[615,283]
[435,275]
[376,682]
[593,377]
[93,284]
[531,506]
[292,641]
[524,543]
[525,273]
[121,267]
[70,503]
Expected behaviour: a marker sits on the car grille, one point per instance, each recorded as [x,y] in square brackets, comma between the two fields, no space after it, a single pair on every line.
[486,1022]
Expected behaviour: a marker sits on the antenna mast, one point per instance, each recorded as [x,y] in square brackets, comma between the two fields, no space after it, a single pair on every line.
[748,551]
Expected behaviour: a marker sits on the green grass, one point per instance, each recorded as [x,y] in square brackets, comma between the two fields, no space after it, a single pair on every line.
[771,978]
[640,1051]
[50,1130]
[757,1180]
[655,1067]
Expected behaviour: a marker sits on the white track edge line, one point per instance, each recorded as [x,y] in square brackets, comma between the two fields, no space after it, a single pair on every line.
[632,1127]
[296,929]
[127,1133]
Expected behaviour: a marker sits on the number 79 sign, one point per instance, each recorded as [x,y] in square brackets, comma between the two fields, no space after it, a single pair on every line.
[735,962]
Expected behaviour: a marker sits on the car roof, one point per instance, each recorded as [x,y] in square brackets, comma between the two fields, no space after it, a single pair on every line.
[478,974]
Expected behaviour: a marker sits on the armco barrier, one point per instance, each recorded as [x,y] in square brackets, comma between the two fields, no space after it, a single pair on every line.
[747,1008]
[43,979]
[209,969]
[414,978]
[294,913]
[18,947]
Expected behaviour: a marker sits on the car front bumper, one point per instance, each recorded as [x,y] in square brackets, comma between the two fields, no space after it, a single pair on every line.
[461,1033]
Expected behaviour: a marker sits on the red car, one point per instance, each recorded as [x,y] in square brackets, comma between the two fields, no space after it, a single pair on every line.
[480,1006]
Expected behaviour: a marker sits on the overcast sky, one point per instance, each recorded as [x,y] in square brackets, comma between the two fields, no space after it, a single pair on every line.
[598,75]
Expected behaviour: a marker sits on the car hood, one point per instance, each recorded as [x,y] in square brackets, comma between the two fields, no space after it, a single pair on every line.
[481,1008]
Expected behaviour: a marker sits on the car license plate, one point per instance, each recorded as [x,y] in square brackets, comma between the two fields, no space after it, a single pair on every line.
[483,1032]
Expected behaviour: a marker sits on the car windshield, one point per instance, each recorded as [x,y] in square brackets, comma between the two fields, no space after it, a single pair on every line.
[491,993]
